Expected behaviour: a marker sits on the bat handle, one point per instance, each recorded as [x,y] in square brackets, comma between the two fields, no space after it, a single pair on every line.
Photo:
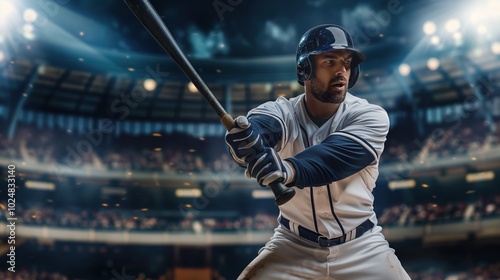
[282,193]
[227,121]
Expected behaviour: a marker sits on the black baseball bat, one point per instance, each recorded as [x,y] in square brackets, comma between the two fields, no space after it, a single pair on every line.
[149,17]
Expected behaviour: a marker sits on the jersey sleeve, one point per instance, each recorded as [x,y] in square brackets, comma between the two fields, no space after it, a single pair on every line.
[357,144]
[367,126]
[272,118]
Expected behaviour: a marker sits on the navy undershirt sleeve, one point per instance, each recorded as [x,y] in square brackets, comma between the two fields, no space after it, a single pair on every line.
[269,128]
[336,158]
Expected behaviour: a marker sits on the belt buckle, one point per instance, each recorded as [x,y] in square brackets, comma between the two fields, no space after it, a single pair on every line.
[323,241]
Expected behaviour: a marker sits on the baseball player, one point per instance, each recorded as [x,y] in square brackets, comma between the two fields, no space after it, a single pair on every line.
[325,143]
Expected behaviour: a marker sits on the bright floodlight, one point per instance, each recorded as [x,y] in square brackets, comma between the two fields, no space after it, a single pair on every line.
[481,29]
[435,40]
[29,31]
[149,84]
[2,56]
[429,27]
[495,48]
[30,15]
[7,11]
[475,16]
[6,7]
[453,25]
[433,63]
[192,88]
[404,69]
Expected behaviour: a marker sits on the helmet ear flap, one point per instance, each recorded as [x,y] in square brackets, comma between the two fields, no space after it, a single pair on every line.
[354,77]
[300,70]
[303,71]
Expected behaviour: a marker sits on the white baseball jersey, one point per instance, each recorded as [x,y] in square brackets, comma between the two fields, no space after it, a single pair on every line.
[340,206]
[333,210]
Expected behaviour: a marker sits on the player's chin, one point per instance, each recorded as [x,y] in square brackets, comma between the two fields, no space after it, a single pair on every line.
[336,96]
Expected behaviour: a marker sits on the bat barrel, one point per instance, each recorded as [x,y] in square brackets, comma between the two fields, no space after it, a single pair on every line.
[148,16]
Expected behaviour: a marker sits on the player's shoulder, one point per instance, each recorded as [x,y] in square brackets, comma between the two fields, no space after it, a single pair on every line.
[283,102]
[357,109]
[354,103]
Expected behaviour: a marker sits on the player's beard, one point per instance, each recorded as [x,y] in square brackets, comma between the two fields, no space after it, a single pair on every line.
[326,93]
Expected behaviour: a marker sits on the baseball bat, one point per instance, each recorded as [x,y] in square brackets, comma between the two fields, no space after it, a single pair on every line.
[150,19]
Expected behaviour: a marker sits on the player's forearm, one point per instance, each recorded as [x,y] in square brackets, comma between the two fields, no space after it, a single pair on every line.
[268,127]
[336,158]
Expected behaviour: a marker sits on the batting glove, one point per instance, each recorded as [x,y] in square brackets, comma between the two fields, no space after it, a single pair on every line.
[243,141]
[267,167]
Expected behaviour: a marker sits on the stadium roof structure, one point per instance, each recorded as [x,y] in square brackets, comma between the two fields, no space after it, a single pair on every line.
[58,73]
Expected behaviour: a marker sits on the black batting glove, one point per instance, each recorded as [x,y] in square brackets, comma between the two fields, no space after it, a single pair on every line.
[244,141]
[267,167]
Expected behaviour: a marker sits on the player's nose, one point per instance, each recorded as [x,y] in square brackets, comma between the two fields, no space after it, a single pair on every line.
[340,69]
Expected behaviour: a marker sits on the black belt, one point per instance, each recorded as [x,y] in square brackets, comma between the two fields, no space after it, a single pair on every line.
[323,241]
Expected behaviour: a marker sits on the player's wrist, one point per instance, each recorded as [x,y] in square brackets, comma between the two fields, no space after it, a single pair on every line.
[289,170]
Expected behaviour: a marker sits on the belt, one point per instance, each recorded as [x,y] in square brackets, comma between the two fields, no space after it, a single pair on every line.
[324,241]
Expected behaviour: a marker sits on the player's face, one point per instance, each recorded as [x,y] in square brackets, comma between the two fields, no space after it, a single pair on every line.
[331,76]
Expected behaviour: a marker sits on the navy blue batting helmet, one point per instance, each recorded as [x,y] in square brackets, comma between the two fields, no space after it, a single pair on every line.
[324,38]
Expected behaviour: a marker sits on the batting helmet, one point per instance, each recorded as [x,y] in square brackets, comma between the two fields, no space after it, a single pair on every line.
[323,38]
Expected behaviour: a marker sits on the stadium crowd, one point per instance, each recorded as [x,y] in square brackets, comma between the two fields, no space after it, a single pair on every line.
[162,153]
[482,271]
[397,215]
[186,153]
[137,220]
[425,213]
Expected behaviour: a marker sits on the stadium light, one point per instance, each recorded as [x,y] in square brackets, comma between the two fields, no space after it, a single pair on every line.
[495,48]
[433,63]
[475,16]
[404,69]
[452,25]
[402,184]
[29,31]
[192,88]
[435,40]
[37,185]
[30,15]
[149,84]
[188,193]
[484,11]
[481,29]
[429,27]
[7,13]
[480,177]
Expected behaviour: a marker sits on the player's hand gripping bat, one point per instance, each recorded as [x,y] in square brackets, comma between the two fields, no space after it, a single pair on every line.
[148,16]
